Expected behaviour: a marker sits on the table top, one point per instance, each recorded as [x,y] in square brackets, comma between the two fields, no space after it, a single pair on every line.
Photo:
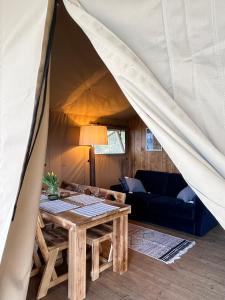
[70,219]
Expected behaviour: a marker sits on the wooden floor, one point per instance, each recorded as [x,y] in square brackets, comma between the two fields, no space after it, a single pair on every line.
[199,274]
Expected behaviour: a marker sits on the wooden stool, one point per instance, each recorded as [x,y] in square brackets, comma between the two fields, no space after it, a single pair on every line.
[51,243]
[96,236]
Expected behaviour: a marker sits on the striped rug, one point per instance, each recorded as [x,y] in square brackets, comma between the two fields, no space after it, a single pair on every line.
[161,246]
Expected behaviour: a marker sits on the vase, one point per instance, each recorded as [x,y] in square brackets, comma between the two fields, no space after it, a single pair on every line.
[53,196]
[53,192]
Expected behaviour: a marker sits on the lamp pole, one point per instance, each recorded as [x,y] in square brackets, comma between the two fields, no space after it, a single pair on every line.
[92,165]
[91,135]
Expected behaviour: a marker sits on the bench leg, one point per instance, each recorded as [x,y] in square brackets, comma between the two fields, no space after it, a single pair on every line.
[110,257]
[95,261]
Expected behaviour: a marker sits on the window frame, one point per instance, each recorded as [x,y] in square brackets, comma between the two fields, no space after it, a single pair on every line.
[125,144]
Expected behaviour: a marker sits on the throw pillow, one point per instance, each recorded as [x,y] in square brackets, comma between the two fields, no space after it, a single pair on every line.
[187,194]
[132,185]
[124,184]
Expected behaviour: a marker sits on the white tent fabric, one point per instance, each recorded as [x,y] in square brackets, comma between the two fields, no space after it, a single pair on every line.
[16,262]
[20,55]
[168,58]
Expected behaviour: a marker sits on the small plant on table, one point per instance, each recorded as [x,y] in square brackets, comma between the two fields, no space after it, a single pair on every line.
[51,181]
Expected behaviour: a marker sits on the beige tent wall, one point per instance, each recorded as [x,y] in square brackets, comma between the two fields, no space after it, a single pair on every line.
[139,158]
[83,91]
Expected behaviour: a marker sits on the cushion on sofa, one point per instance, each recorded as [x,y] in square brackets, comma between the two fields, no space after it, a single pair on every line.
[186,194]
[132,184]
[154,182]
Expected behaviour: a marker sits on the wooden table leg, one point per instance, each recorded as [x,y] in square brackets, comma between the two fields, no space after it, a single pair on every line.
[77,264]
[120,244]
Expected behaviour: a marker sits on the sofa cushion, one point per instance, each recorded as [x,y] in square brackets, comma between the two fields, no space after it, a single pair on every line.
[139,205]
[174,208]
[186,194]
[156,206]
[132,184]
[154,182]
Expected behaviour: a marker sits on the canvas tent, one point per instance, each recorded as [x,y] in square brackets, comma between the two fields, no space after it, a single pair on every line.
[167,57]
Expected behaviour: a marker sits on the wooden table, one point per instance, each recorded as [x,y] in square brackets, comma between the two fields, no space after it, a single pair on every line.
[77,226]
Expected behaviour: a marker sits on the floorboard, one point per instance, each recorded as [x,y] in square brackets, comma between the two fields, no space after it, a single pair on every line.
[198,275]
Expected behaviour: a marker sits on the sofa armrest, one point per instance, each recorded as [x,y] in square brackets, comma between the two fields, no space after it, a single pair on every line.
[204,220]
[117,188]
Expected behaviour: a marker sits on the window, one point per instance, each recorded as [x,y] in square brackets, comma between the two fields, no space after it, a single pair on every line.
[152,143]
[116,143]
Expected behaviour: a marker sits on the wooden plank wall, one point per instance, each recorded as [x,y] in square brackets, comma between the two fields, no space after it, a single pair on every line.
[139,158]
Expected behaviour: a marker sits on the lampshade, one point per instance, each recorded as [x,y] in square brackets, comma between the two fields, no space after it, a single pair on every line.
[93,135]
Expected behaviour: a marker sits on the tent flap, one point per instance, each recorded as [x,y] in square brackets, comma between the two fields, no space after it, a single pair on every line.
[20,55]
[168,60]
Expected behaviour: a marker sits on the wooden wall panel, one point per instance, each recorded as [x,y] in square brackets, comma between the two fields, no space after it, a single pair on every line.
[139,158]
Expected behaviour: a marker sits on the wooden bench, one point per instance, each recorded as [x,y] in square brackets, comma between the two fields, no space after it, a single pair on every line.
[98,192]
[95,237]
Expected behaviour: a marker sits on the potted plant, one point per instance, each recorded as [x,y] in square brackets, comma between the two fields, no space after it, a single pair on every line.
[52,183]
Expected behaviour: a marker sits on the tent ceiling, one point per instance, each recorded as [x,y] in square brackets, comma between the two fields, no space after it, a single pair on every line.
[81,85]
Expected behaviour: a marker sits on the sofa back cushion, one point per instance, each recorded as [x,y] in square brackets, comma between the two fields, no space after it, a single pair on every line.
[154,182]
[132,184]
[175,184]
[163,183]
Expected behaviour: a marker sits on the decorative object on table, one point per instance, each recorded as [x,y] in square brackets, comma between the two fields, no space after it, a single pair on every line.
[91,135]
[158,245]
[52,183]
[152,143]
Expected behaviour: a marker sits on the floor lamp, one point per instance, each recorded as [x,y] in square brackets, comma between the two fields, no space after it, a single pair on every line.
[91,135]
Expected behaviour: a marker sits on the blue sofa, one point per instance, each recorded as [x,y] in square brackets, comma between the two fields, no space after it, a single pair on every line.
[162,207]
